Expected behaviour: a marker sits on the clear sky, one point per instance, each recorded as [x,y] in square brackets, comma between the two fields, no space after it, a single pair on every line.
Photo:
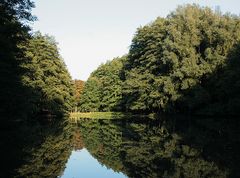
[89,32]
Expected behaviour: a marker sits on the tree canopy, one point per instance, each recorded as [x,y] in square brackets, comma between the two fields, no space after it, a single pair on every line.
[47,76]
[181,63]
[78,88]
[14,17]
[33,76]
[103,89]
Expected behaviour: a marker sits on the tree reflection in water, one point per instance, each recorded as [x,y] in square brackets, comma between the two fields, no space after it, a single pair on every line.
[176,147]
[35,151]
[139,148]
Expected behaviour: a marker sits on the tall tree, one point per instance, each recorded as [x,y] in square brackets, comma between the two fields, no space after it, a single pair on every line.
[47,76]
[78,86]
[14,18]
[172,59]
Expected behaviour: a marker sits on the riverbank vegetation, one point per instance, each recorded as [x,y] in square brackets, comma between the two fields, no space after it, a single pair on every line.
[34,79]
[103,89]
[97,115]
[185,63]
[107,115]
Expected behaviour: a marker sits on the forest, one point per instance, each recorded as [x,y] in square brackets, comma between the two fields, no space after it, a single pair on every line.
[180,69]
[185,63]
[34,79]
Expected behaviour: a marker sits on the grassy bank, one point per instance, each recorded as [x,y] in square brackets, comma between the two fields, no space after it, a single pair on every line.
[104,115]
[97,115]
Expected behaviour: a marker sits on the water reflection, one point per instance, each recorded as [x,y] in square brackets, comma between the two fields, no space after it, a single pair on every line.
[175,147]
[137,148]
[82,164]
[33,150]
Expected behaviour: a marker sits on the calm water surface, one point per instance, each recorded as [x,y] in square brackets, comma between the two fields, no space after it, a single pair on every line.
[82,164]
[137,148]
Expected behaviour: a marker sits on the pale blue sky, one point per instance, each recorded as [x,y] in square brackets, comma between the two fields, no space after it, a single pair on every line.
[89,32]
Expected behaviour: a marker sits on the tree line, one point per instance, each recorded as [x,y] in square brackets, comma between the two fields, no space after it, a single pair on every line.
[34,79]
[187,62]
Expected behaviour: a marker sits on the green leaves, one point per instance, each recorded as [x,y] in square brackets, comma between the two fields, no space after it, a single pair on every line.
[172,57]
[47,76]
[103,89]
[13,32]
[174,64]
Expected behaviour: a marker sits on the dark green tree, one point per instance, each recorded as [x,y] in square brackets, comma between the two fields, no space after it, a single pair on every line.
[47,76]
[171,61]
[103,89]
[184,63]
[33,76]
[14,18]
[78,89]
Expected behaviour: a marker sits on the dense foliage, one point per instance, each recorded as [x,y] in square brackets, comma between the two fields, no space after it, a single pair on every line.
[187,62]
[78,89]
[13,32]
[103,89]
[46,75]
[33,77]
[35,84]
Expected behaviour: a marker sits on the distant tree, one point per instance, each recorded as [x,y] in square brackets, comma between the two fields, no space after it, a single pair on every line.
[78,86]
[90,98]
[103,89]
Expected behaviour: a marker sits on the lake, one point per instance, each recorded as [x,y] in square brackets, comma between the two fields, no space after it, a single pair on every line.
[124,148]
